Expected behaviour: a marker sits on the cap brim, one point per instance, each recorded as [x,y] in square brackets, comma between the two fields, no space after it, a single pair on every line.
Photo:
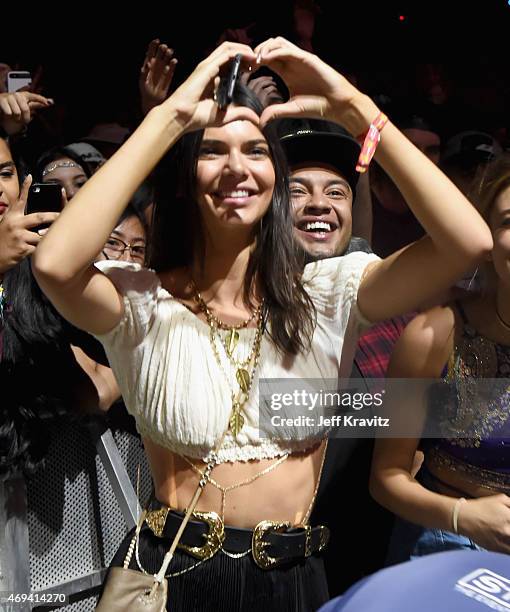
[336,150]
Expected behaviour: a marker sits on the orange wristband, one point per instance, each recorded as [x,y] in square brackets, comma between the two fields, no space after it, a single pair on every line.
[370,142]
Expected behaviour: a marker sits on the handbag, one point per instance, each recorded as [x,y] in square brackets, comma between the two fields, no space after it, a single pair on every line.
[131,590]
[128,590]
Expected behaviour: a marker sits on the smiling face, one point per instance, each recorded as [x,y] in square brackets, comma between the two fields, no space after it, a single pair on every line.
[70,178]
[235,177]
[322,203]
[9,184]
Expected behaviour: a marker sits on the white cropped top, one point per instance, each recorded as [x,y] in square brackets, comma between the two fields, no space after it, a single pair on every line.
[163,361]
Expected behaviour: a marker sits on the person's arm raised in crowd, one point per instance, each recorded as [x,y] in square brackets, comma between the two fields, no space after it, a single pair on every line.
[63,262]
[156,75]
[457,235]
[17,109]
[421,353]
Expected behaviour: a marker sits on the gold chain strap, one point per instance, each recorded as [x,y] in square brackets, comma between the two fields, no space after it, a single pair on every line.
[310,507]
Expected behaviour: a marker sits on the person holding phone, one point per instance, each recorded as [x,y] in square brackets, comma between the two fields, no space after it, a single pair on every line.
[34,365]
[227,303]
[38,372]
[17,238]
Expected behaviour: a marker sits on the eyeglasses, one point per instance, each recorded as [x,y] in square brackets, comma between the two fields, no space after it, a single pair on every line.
[115,248]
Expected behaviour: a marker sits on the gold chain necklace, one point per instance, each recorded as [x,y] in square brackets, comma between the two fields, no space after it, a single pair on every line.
[218,322]
[244,377]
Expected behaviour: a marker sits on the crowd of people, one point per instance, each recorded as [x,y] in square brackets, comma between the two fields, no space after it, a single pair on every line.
[211,248]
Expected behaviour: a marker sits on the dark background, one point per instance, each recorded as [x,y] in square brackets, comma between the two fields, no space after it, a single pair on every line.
[91,57]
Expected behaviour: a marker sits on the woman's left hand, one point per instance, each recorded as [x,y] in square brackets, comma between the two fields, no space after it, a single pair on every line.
[316,89]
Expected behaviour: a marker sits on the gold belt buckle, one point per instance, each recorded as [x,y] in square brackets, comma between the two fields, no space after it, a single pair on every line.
[156,520]
[214,538]
[258,544]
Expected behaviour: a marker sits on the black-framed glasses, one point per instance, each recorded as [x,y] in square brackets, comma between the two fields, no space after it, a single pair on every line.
[115,248]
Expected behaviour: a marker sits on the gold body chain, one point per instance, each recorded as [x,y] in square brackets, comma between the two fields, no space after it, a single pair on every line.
[224,490]
[237,485]
[239,398]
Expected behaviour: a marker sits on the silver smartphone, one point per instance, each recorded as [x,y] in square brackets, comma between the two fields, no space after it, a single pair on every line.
[17,79]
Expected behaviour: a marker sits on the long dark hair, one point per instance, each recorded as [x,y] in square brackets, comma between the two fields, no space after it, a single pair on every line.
[275,262]
[33,359]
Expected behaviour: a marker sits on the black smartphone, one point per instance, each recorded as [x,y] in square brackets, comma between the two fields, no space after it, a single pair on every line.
[226,91]
[43,197]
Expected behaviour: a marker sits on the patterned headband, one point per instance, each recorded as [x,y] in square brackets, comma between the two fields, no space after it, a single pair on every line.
[62,164]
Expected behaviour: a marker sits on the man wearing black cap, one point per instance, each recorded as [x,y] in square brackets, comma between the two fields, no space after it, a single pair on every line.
[322,159]
[323,179]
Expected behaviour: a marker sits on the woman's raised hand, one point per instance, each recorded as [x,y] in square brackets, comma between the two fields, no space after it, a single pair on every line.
[316,90]
[156,75]
[17,241]
[193,102]
[17,109]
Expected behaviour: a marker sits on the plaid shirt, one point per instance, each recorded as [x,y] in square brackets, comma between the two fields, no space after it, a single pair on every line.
[376,345]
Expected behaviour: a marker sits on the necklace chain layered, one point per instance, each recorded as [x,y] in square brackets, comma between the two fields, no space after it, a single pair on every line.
[244,369]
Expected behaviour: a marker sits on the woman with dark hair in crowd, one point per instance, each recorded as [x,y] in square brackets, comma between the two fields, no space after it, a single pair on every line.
[231,304]
[70,166]
[461,496]
[38,374]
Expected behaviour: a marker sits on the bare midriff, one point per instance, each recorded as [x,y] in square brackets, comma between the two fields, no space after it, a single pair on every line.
[282,494]
[460,484]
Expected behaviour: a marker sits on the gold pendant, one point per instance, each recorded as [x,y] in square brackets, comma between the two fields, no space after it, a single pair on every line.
[236,421]
[232,340]
[243,379]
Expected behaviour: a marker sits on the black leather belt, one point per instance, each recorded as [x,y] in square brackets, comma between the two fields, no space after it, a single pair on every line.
[271,543]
